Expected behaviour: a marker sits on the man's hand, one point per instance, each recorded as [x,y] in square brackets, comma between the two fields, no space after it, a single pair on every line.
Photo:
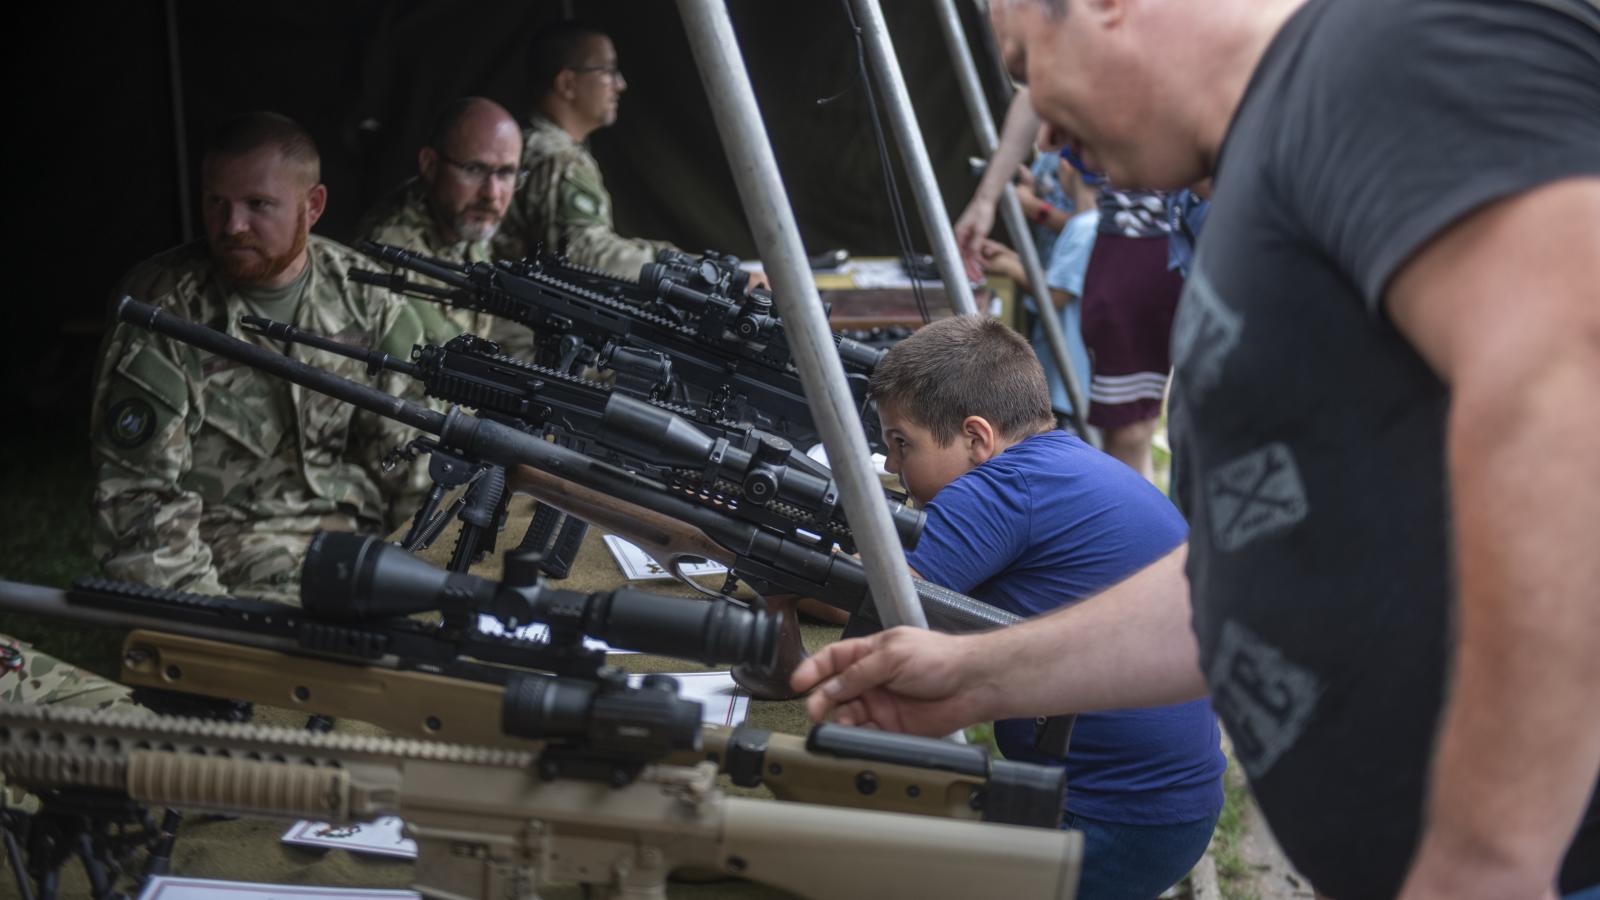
[906,679]
[977,220]
[998,259]
[972,230]
[758,279]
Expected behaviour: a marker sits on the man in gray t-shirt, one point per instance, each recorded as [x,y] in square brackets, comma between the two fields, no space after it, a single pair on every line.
[1387,359]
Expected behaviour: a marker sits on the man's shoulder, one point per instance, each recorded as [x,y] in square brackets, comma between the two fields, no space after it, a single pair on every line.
[332,290]
[398,217]
[175,279]
[327,255]
[545,143]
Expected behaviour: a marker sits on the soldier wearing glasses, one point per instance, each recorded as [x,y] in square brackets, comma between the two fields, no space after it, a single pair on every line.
[467,174]
[564,205]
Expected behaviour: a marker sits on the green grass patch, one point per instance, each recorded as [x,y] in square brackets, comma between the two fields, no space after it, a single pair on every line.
[1234,874]
[46,482]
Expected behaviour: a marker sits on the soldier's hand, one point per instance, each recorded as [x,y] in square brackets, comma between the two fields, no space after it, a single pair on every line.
[758,279]
[909,680]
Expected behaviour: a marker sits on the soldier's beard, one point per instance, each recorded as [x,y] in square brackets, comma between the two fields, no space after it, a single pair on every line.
[259,268]
[471,229]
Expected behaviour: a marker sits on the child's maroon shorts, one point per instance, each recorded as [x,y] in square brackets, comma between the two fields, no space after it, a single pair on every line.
[1129,296]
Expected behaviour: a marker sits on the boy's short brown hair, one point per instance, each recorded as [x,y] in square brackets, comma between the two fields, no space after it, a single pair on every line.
[965,366]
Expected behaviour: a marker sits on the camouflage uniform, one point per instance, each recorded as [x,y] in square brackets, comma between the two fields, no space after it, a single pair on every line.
[212,476]
[402,218]
[28,676]
[565,205]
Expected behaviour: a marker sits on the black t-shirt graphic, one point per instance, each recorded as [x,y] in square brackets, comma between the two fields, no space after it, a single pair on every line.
[1309,436]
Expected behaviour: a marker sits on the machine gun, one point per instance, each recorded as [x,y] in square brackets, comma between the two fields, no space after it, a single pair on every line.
[653,513]
[488,824]
[757,477]
[578,327]
[711,293]
[216,650]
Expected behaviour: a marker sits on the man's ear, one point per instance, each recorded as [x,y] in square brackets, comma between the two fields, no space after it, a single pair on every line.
[983,442]
[566,84]
[428,164]
[316,202]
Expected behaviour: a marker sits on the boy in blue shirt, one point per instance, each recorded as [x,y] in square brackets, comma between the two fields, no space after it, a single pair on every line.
[1030,518]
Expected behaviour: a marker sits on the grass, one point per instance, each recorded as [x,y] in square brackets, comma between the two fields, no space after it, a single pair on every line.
[46,485]
[1234,875]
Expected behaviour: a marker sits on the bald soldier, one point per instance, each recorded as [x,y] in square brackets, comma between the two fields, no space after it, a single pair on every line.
[467,173]
[211,476]
[564,205]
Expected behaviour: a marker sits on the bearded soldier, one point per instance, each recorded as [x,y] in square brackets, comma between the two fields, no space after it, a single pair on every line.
[211,476]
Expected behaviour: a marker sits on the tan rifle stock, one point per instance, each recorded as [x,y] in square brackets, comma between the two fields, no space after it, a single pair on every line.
[487,826]
[423,705]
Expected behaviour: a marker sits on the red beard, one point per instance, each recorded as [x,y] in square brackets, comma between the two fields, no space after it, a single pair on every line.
[259,268]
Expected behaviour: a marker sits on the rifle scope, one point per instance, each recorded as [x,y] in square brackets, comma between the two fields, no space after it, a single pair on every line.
[358,578]
[694,284]
[606,718]
[763,476]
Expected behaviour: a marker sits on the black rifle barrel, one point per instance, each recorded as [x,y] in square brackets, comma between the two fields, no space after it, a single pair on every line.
[834,579]
[399,283]
[289,369]
[375,360]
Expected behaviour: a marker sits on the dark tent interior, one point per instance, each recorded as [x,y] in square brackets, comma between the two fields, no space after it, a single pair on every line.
[117,99]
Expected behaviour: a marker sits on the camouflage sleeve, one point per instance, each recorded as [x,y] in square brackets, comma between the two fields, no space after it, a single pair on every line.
[404,486]
[583,220]
[146,524]
[28,676]
[565,204]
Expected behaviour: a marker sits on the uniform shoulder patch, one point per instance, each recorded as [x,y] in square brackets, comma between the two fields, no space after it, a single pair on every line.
[131,422]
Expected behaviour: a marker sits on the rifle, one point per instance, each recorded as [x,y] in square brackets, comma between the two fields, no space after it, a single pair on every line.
[757,477]
[487,824]
[733,379]
[669,526]
[220,647]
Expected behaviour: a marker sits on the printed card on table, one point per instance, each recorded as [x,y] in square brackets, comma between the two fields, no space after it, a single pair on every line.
[169,887]
[723,701]
[636,565]
[382,837]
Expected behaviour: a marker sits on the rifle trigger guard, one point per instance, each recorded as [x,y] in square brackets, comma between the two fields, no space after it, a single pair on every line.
[674,568]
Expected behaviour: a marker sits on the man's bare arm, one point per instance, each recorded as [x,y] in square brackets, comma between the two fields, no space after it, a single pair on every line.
[1506,307]
[977,220]
[1127,647]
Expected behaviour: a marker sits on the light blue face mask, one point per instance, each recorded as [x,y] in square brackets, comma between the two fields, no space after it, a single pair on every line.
[1092,179]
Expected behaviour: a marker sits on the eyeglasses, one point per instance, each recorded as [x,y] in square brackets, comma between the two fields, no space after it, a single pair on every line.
[611,71]
[478,172]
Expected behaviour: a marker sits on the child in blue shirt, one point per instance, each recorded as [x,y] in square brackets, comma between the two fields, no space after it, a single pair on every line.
[1030,518]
